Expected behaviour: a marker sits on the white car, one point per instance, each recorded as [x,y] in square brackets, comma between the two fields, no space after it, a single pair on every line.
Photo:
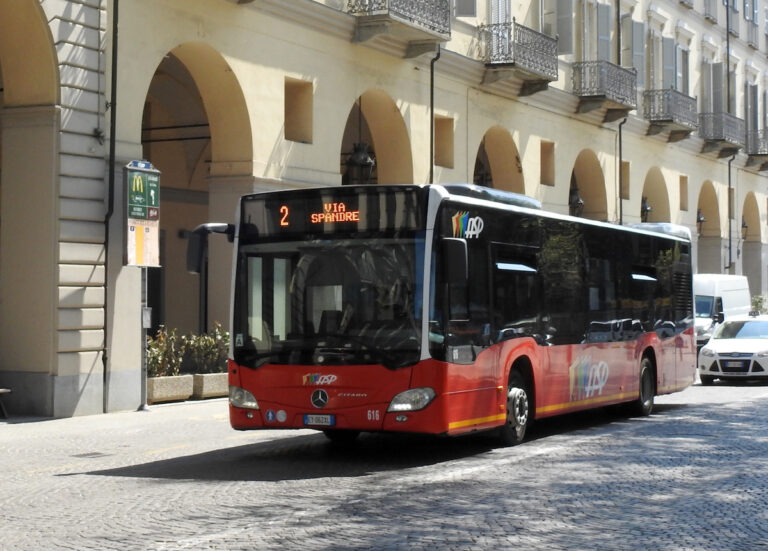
[738,350]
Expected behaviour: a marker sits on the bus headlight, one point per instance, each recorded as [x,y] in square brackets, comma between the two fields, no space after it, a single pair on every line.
[412,400]
[241,398]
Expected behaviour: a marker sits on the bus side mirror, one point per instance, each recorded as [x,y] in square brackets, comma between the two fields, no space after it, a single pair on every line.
[720,317]
[198,241]
[455,263]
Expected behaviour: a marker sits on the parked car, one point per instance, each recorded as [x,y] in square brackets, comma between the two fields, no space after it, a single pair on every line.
[738,350]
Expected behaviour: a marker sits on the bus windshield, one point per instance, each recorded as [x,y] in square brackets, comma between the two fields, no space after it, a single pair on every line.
[344,301]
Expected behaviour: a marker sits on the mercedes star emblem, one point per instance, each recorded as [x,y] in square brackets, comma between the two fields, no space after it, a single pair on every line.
[319,398]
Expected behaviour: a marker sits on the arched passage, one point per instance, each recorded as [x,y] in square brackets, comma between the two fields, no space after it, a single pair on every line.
[497,164]
[654,202]
[588,186]
[195,127]
[29,205]
[376,121]
[750,246]
[708,229]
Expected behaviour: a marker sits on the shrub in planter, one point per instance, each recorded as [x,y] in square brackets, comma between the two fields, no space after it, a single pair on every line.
[164,353]
[206,353]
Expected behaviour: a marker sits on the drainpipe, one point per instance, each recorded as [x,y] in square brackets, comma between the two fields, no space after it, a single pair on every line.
[621,175]
[432,116]
[110,201]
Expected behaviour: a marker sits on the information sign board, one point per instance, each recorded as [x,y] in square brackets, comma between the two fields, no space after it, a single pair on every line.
[142,185]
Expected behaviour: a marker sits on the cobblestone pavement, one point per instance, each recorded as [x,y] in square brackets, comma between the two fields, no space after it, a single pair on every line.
[692,476]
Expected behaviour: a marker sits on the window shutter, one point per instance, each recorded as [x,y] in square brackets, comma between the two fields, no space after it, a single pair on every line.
[565,21]
[705,88]
[751,108]
[604,32]
[718,88]
[464,8]
[668,72]
[638,50]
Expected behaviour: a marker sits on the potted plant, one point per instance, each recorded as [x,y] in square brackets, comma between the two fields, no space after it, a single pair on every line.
[164,356]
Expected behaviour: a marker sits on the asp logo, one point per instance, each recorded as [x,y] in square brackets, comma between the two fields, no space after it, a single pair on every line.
[466,227]
[316,379]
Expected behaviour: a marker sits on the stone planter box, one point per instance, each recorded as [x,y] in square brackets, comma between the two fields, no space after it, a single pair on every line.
[169,389]
[210,385]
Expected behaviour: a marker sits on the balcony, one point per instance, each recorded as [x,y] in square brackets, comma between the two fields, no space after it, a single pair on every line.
[670,110]
[721,132]
[757,148]
[601,84]
[422,24]
[513,51]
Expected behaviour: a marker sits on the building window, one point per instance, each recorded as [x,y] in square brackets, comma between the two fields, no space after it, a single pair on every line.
[298,110]
[547,162]
[683,193]
[464,8]
[444,141]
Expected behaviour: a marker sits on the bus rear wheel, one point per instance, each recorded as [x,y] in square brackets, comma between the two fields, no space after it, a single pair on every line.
[512,432]
[644,404]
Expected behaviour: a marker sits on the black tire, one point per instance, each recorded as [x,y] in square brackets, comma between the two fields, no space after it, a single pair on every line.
[519,415]
[644,404]
[341,437]
[706,380]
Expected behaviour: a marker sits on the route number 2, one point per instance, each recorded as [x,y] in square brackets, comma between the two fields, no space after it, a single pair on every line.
[284,219]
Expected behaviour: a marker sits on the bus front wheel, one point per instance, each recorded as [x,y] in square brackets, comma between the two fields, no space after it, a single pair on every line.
[644,403]
[512,432]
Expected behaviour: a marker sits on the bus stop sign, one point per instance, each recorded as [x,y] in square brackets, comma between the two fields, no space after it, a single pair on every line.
[142,184]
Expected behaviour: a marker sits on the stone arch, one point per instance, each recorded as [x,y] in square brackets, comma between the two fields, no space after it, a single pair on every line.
[29,191]
[383,129]
[30,75]
[655,197]
[497,163]
[588,181]
[708,230]
[196,131]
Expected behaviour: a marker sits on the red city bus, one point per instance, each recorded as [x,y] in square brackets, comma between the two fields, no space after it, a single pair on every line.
[446,309]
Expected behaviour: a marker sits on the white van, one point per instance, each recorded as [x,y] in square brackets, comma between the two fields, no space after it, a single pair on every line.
[717,294]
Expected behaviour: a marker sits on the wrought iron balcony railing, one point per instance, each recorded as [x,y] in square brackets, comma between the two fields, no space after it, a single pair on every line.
[431,15]
[670,107]
[605,79]
[757,143]
[511,43]
[722,127]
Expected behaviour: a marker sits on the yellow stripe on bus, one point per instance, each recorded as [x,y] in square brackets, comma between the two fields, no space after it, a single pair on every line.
[588,401]
[478,421]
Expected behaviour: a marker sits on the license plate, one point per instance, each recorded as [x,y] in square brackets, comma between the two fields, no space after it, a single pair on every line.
[321,420]
[733,364]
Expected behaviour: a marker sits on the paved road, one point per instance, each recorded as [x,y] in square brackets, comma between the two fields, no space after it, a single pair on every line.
[693,476]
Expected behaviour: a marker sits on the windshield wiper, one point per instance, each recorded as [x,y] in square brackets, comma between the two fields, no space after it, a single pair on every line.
[385,358]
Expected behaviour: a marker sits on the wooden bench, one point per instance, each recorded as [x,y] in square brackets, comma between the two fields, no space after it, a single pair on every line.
[2,407]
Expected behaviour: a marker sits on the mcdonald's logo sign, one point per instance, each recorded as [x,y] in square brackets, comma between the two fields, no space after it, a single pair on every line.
[137,186]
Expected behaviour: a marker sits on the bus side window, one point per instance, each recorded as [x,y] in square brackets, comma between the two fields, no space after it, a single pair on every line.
[515,294]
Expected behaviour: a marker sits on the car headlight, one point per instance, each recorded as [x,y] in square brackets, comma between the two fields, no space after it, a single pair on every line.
[708,352]
[763,354]
[241,398]
[412,400]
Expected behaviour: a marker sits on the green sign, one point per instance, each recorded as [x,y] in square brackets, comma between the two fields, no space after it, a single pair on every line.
[143,194]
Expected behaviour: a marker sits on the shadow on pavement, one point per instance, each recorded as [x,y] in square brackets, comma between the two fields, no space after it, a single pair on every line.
[313,456]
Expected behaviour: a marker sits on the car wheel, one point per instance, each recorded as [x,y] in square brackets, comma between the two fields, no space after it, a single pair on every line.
[644,404]
[512,432]
[706,380]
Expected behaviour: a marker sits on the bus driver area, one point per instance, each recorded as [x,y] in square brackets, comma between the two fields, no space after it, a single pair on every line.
[446,309]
